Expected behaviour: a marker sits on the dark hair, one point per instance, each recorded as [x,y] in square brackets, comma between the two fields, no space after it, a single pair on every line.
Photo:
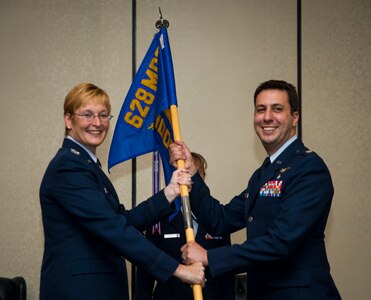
[280,85]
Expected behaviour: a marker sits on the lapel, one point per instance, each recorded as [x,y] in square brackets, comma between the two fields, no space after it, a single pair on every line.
[280,162]
[80,152]
[106,181]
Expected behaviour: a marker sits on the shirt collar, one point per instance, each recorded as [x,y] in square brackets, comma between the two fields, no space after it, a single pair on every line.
[283,147]
[93,157]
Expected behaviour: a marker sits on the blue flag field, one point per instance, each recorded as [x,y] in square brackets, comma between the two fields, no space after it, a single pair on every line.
[144,123]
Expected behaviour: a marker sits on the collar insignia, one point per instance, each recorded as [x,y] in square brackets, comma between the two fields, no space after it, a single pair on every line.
[75,151]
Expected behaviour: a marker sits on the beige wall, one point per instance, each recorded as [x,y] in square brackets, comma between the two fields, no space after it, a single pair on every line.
[336,123]
[221,51]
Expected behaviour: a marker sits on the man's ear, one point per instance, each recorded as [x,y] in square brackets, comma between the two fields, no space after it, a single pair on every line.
[296,119]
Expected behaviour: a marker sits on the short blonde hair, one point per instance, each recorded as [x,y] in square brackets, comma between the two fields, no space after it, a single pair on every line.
[80,95]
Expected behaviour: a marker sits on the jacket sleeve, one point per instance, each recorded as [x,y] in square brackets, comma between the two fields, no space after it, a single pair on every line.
[217,219]
[77,189]
[149,212]
[302,214]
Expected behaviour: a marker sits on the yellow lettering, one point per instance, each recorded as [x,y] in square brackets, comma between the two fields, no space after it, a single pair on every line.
[153,64]
[166,139]
[151,83]
[143,95]
[135,104]
[161,128]
[133,120]
[163,131]
[147,98]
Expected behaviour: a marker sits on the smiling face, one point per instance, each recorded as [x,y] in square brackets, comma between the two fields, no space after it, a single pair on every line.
[87,111]
[90,133]
[274,122]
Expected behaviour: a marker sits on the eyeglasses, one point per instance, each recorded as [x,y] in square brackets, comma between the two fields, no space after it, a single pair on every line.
[89,116]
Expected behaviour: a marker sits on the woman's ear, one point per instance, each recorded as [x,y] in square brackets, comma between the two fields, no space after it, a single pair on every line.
[67,121]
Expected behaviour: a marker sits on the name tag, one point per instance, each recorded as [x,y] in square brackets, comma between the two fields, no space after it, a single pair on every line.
[171,236]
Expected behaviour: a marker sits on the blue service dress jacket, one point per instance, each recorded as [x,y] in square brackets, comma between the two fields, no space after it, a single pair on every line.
[284,210]
[170,237]
[88,233]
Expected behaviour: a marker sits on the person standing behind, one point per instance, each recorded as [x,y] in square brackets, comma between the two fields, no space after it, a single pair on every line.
[284,210]
[169,236]
[87,231]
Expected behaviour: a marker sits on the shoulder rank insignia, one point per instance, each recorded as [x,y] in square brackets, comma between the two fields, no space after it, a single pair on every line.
[75,151]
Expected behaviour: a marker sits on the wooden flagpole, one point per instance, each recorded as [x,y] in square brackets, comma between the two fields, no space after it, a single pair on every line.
[187,213]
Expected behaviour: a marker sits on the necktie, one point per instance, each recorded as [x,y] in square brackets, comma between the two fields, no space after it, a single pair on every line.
[266,163]
[99,164]
[264,166]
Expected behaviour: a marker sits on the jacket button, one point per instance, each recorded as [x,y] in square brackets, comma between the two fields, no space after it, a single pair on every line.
[250,219]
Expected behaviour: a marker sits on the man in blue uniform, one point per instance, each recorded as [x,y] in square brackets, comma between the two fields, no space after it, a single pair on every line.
[284,209]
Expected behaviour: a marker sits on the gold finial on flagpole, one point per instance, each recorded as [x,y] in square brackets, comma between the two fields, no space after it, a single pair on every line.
[162,22]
